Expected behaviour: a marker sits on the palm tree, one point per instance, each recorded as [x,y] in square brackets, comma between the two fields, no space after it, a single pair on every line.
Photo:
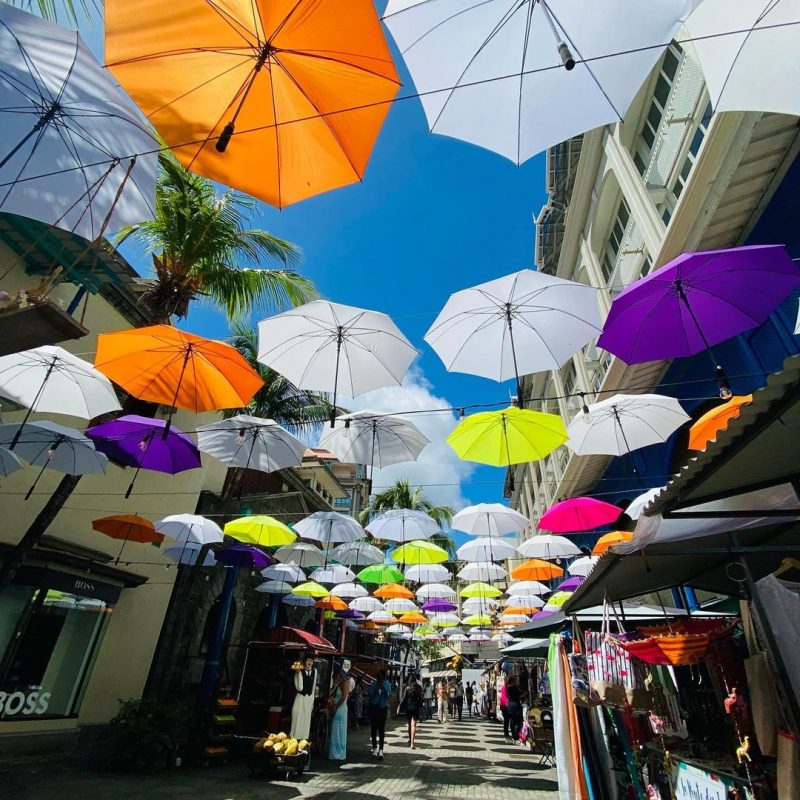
[201,247]
[403,495]
[64,11]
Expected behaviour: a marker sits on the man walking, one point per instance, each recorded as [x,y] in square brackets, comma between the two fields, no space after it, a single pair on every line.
[459,687]
[427,694]
[378,697]
[469,693]
[442,699]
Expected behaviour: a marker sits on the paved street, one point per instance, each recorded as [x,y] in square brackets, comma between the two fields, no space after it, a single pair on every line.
[457,760]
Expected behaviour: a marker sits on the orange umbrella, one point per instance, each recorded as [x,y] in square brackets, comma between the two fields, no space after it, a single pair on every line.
[413,618]
[393,591]
[609,539]
[534,569]
[520,609]
[332,603]
[161,364]
[127,528]
[706,428]
[304,85]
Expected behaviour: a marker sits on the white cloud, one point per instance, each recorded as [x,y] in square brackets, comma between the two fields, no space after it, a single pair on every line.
[438,469]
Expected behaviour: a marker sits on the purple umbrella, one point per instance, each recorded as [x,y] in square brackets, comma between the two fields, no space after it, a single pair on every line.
[135,441]
[436,604]
[696,301]
[351,613]
[570,585]
[242,555]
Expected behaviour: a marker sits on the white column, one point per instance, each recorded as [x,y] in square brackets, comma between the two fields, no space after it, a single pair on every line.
[595,275]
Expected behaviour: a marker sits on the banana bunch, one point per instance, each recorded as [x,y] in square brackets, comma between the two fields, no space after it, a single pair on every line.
[281,744]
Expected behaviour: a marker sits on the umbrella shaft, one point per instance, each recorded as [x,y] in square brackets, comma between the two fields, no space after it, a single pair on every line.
[44,120]
[339,338]
[32,407]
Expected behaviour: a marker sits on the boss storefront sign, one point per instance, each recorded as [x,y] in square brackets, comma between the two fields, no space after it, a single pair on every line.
[24,705]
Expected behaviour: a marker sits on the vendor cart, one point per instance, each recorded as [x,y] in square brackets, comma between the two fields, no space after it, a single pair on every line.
[267,763]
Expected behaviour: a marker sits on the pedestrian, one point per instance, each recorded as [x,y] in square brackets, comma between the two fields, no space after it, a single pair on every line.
[427,693]
[503,705]
[442,698]
[514,709]
[459,687]
[469,693]
[337,748]
[451,699]
[378,698]
[411,706]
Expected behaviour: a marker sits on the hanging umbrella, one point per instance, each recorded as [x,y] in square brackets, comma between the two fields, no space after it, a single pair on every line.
[482,571]
[623,423]
[528,587]
[328,347]
[443,620]
[50,380]
[557,599]
[260,530]
[486,548]
[380,573]
[300,553]
[423,631]
[331,603]
[310,589]
[415,618]
[274,587]
[280,100]
[8,462]
[489,519]
[638,504]
[144,443]
[188,554]
[288,573]
[242,555]
[393,591]
[419,552]
[519,77]
[697,301]
[706,428]
[189,529]
[608,540]
[548,547]
[366,604]
[427,573]
[329,528]
[403,525]
[503,638]
[298,600]
[524,605]
[435,590]
[448,632]
[581,567]
[578,514]
[480,637]
[480,589]
[165,365]
[375,438]
[350,614]
[478,605]
[457,637]
[349,590]
[570,584]
[333,573]
[399,629]
[382,618]
[536,570]
[71,136]
[400,605]
[520,324]
[50,446]
[127,528]
[525,599]
[250,443]
[357,554]
[477,619]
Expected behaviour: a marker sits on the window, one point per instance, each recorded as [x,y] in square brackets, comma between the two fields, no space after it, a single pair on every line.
[615,237]
[691,155]
[342,502]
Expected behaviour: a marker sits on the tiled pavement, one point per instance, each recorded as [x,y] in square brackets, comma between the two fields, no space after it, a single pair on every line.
[456,761]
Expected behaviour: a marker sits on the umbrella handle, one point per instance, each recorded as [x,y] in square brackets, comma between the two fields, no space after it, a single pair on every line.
[33,486]
[186,358]
[133,480]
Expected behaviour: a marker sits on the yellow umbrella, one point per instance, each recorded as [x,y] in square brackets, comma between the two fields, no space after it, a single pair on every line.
[419,552]
[477,619]
[260,530]
[479,589]
[310,589]
[511,436]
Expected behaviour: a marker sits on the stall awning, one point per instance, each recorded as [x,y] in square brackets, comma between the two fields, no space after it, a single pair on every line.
[530,648]
[294,637]
[442,673]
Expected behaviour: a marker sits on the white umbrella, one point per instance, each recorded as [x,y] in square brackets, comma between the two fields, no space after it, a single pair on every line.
[427,573]
[298,600]
[287,573]
[190,529]
[329,347]
[484,571]
[69,134]
[581,567]
[458,637]
[302,554]
[349,590]
[366,605]
[519,76]
[528,587]
[502,638]
[250,443]
[438,590]
[329,528]
[275,587]
[375,438]
[451,632]
[548,546]
[514,619]
[443,620]
[333,573]
[753,69]
[397,628]
[357,554]
[188,554]
[480,637]
[478,605]
[638,504]
[8,462]
[489,519]
[522,600]
[486,548]
[400,605]
[403,525]
[381,617]
[479,632]
[623,423]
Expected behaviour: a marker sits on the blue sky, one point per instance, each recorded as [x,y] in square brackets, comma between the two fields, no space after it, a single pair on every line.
[433,215]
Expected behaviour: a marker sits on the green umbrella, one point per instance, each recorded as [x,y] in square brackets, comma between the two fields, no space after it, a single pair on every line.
[380,574]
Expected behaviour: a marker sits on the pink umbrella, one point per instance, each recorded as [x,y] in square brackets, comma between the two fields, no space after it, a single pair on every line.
[578,514]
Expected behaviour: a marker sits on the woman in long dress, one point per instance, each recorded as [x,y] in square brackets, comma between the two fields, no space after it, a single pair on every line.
[337,748]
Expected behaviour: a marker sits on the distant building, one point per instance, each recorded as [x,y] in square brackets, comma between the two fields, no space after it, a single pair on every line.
[352,478]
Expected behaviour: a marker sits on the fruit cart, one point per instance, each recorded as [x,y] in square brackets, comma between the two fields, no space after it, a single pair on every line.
[272,755]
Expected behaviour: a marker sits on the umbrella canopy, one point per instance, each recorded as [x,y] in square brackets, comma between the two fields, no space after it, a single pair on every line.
[285,573]
[511,436]
[400,605]
[366,605]
[578,514]
[333,573]
[763,43]
[382,618]
[489,519]
[280,100]
[350,614]
[478,605]
[519,77]
[415,618]
[260,530]
[393,591]
[331,603]
[310,589]
[302,554]
[399,629]
[525,607]
[482,571]
[375,438]
[503,638]
[535,569]
[328,347]
[70,135]
[698,300]
[8,462]
[329,528]
[443,620]
[486,548]
[527,599]
[557,599]
[520,324]
[581,567]
[427,573]
[419,552]
[191,529]
[481,590]
[380,573]
[357,554]
[706,428]
[403,525]
[548,547]
[127,528]
[242,555]
[480,637]
[623,423]
[298,600]
[188,554]
[528,587]
[638,504]
[251,443]
[435,590]
[608,540]
[570,584]
[477,619]
[349,590]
